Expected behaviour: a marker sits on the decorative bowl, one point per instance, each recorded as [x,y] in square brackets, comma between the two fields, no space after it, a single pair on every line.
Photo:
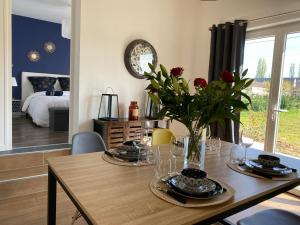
[269,161]
[192,177]
[197,187]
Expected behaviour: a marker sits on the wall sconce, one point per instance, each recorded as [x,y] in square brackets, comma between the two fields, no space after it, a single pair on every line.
[33,56]
[49,47]
[109,106]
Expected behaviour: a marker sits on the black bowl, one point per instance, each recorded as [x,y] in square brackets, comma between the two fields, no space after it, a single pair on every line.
[194,173]
[131,143]
[269,161]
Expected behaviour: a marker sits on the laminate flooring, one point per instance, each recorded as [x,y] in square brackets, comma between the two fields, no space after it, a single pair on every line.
[26,134]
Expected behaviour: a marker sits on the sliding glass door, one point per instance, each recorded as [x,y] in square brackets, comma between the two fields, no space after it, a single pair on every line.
[273,59]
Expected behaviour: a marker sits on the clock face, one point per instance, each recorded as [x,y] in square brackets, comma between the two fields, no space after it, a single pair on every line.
[138,55]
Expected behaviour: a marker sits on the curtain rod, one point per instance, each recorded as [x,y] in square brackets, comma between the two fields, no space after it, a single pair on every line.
[267,17]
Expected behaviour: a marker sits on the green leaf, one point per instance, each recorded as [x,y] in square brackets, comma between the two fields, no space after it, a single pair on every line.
[175,84]
[247,97]
[163,70]
[152,68]
[248,83]
[148,87]
[236,77]
[238,104]
[245,73]
[185,85]
[155,84]
[154,98]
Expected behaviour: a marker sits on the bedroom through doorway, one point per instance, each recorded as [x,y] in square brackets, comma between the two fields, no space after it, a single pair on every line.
[41,33]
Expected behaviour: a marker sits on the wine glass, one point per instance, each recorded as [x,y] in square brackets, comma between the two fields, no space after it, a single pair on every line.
[177,149]
[245,142]
[237,154]
[141,139]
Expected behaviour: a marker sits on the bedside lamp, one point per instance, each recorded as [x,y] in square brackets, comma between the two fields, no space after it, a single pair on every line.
[14,82]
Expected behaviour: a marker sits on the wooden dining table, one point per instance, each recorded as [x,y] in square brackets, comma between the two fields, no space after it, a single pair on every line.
[105,193]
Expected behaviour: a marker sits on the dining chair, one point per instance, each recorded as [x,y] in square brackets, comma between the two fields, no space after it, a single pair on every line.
[86,142]
[271,217]
[162,136]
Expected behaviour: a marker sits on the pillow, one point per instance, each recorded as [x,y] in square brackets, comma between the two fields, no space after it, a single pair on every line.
[42,83]
[54,93]
[64,83]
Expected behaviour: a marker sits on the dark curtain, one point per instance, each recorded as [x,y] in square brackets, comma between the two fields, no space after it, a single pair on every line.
[226,53]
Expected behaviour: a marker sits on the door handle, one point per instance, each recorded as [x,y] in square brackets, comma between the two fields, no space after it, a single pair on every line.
[280,110]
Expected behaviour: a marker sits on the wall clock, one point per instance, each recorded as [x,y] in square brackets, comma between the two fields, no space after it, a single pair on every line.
[137,56]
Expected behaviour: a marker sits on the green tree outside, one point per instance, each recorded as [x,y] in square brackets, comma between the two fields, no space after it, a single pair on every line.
[261,68]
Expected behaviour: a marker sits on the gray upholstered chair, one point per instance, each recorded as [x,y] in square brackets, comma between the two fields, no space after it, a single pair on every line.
[271,217]
[86,142]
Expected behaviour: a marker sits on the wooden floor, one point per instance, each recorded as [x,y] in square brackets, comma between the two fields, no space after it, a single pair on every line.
[26,134]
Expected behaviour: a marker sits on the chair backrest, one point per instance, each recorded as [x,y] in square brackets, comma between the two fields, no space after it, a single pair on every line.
[162,136]
[87,142]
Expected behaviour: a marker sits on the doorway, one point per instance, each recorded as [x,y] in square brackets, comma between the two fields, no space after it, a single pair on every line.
[40,72]
[273,58]
[6,81]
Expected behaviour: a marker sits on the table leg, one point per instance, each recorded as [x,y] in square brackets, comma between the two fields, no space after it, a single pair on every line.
[51,219]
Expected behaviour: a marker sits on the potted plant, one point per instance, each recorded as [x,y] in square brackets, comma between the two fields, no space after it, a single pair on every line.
[207,103]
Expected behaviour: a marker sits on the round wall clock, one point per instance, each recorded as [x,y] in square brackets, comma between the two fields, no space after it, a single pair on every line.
[137,56]
[33,56]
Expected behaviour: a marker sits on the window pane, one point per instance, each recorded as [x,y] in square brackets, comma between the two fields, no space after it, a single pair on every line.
[258,60]
[288,140]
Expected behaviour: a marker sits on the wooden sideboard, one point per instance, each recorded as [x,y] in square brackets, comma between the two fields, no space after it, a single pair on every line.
[115,132]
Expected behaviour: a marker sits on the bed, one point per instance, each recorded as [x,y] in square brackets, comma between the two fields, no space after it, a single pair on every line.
[37,104]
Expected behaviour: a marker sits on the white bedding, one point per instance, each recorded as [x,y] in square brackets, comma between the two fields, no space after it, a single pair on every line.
[37,106]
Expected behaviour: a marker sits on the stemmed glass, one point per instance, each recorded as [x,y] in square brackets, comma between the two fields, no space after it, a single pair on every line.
[177,149]
[245,142]
[145,152]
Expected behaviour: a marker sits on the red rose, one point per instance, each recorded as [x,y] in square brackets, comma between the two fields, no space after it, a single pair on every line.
[177,71]
[227,77]
[200,82]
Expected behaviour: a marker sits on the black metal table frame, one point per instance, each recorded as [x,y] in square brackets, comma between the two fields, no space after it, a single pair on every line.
[52,190]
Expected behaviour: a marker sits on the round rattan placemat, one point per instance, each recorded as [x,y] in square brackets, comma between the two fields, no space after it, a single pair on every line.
[193,203]
[247,172]
[121,162]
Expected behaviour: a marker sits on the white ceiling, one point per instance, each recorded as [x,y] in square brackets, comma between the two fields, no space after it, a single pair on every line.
[49,10]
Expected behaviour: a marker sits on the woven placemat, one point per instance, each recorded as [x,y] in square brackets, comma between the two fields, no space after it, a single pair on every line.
[248,172]
[121,162]
[193,203]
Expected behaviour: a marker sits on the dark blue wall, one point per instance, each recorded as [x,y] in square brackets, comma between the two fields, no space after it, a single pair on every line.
[31,34]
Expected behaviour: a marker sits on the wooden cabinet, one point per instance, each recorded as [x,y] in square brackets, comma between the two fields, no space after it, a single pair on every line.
[115,132]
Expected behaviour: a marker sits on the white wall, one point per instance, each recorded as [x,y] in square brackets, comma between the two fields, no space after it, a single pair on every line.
[229,10]
[107,26]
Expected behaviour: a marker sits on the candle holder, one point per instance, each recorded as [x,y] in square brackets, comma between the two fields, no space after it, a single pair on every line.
[109,106]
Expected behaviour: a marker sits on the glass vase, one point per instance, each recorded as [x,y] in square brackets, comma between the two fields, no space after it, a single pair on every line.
[194,150]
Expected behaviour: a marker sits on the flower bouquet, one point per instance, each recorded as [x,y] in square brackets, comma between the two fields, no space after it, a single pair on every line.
[207,103]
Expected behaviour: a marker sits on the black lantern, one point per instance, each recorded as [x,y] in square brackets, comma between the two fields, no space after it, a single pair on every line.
[152,109]
[109,107]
